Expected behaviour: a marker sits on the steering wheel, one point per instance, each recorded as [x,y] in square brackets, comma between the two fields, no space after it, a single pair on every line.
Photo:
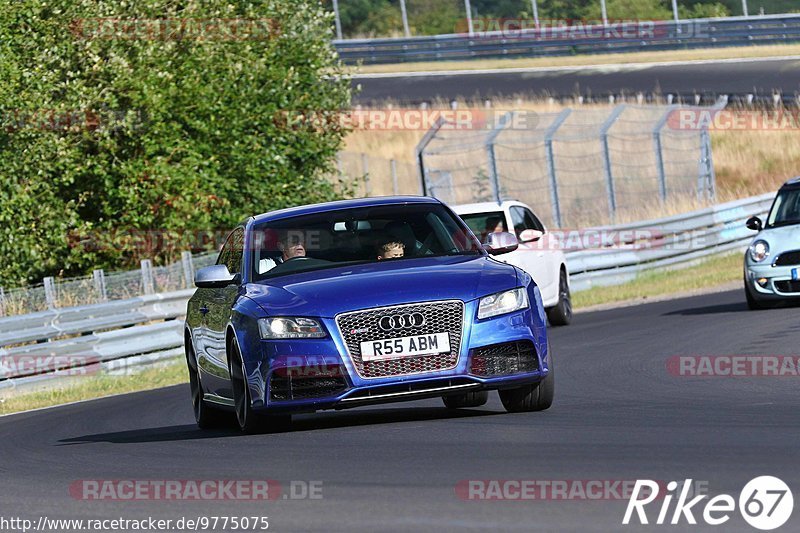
[296,257]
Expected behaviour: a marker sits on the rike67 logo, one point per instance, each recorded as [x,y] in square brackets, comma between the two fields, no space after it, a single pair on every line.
[765,503]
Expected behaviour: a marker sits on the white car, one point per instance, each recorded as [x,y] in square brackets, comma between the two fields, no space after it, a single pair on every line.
[538,254]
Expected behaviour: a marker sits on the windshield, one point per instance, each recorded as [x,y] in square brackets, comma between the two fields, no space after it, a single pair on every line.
[785,209]
[364,235]
[482,224]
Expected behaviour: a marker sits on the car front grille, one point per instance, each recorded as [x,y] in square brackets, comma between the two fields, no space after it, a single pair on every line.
[440,317]
[787,286]
[787,259]
[504,359]
[297,384]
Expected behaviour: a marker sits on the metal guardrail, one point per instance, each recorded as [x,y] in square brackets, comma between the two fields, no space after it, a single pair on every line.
[666,35]
[146,330]
[666,243]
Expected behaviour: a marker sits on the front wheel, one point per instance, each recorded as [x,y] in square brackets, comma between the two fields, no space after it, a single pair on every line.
[207,417]
[249,420]
[536,397]
[561,314]
[752,303]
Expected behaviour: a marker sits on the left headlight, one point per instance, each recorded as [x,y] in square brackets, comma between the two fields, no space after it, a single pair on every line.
[290,328]
[503,302]
[759,251]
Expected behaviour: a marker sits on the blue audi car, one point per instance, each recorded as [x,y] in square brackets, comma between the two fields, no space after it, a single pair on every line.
[361,302]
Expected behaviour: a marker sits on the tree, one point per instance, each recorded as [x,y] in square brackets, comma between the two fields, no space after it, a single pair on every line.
[156,116]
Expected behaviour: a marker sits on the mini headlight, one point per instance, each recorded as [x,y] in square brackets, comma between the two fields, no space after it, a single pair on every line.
[502,303]
[290,328]
[759,251]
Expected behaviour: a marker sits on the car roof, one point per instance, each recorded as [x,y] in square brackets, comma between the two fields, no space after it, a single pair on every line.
[483,207]
[342,204]
[792,183]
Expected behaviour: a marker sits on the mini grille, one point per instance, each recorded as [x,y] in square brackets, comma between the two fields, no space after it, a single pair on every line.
[788,258]
[787,286]
[504,359]
[284,387]
[440,317]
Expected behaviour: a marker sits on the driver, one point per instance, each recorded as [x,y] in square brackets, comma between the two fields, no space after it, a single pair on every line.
[291,244]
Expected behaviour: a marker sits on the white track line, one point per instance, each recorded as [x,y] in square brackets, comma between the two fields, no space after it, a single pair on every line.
[610,67]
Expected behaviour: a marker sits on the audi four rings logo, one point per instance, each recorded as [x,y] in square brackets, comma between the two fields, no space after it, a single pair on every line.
[408,320]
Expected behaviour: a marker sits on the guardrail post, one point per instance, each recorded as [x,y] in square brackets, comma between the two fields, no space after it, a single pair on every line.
[420,154]
[148,283]
[188,269]
[2,302]
[365,172]
[99,279]
[659,152]
[612,195]
[50,292]
[492,158]
[551,165]
[395,184]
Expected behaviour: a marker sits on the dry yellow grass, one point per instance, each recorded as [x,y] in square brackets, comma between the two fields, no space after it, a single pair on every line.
[744,52]
[746,162]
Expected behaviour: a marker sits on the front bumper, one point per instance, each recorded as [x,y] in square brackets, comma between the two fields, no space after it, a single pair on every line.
[328,379]
[779,285]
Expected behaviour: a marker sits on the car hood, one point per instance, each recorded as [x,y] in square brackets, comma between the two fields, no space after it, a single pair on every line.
[781,239]
[329,292]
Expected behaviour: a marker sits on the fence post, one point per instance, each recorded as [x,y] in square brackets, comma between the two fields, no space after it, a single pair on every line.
[365,172]
[50,292]
[99,278]
[492,158]
[148,283]
[551,165]
[612,195]
[659,152]
[395,184]
[420,154]
[708,178]
[2,302]
[188,269]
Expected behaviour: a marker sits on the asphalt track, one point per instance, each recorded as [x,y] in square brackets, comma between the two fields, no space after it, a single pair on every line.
[756,76]
[619,415]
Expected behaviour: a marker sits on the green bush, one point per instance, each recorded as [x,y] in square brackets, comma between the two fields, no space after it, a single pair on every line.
[108,128]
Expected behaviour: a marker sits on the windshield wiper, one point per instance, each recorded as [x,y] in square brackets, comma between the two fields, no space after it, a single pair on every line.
[784,223]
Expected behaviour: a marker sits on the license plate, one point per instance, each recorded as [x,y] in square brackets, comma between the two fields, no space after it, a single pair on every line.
[796,274]
[431,344]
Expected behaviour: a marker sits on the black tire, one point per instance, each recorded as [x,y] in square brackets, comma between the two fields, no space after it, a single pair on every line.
[206,416]
[752,303]
[537,397]
[467,399]
[561,314]
[250,421]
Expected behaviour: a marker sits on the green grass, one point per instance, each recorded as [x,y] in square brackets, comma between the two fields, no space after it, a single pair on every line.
[85,388]
[717,271]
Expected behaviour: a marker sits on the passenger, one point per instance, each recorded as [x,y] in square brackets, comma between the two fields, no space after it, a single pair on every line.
[493,225]
[291,244]
[391,250]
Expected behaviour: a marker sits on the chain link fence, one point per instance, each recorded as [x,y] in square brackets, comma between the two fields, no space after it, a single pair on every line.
[101,287]
[575,168]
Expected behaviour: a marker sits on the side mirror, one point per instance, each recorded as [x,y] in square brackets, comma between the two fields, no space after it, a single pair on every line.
[501,242]
[214,276]
[530,235]
[754,223]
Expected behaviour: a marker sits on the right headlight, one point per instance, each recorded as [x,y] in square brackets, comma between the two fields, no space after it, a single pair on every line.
[290,328]
[759,251]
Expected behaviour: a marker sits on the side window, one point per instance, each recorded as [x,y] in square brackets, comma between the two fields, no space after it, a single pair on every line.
[232,251]
[534,222]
